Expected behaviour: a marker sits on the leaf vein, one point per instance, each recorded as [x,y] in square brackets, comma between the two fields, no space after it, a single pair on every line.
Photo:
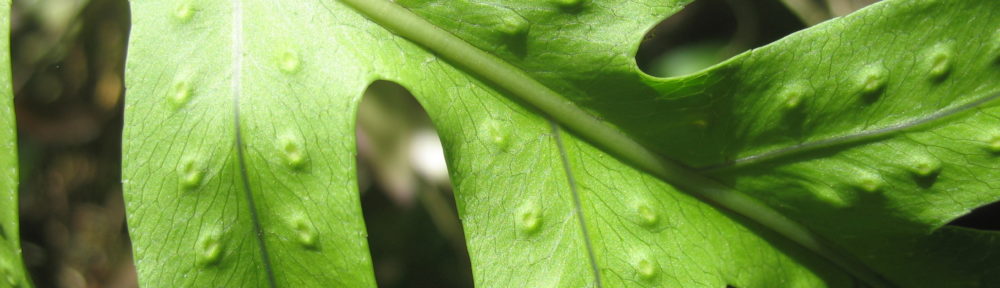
[237,91]
[577,206]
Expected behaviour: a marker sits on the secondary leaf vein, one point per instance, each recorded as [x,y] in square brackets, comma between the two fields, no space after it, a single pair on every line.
[862,136]
[577,206]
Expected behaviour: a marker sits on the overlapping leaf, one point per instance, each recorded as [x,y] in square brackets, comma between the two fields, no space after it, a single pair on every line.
[239,165]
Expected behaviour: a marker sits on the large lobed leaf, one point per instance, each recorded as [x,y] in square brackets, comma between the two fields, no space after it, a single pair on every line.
[871,131]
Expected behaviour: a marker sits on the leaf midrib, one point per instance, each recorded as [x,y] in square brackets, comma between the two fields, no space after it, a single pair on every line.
[520,84]
[237,90]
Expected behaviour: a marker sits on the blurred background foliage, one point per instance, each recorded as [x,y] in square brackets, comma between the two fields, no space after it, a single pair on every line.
[68,59]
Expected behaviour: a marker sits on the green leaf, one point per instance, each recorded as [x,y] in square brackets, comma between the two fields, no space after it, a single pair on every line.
[12,273]
[831,157]
[231,172]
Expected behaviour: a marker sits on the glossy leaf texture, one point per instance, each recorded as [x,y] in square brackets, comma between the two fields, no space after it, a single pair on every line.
[12,273]
[872,131]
